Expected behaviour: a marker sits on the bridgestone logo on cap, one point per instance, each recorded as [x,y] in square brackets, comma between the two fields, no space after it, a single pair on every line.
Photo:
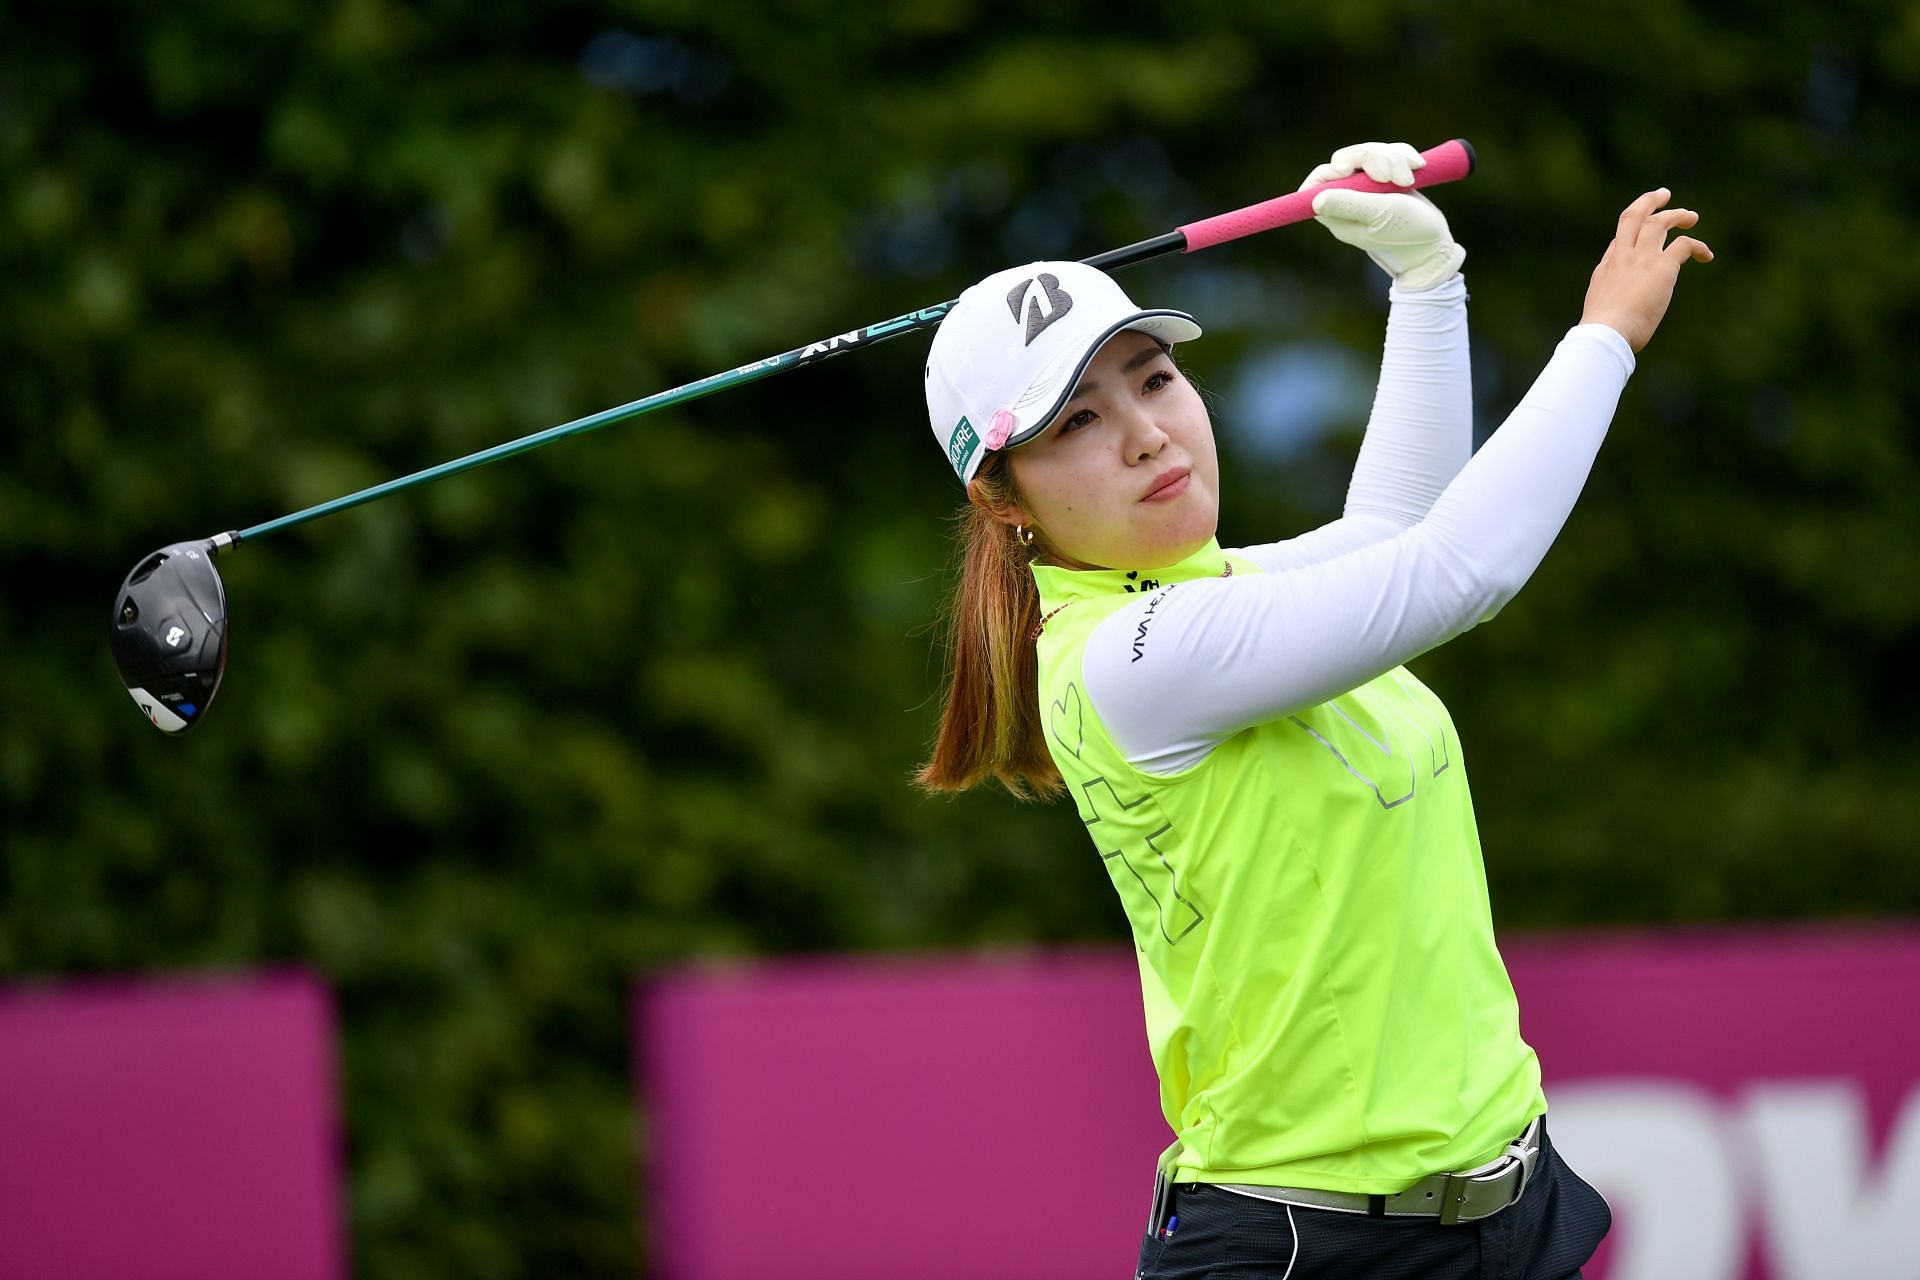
[961,444]
[1059,302]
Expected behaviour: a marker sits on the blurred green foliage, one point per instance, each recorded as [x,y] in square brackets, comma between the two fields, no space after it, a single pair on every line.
[488,750]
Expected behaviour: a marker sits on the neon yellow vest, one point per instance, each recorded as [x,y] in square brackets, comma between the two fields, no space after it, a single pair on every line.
[1324,1001]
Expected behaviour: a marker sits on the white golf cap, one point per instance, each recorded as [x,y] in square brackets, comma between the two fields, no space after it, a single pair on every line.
[1010,352]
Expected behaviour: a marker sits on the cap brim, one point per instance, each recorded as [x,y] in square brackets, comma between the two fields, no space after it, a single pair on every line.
[1168,326]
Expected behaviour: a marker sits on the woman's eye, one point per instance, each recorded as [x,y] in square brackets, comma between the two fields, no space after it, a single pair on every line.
[1079,419]
[1158,381]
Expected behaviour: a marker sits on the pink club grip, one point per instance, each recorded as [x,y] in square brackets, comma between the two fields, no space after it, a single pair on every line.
[1448,162]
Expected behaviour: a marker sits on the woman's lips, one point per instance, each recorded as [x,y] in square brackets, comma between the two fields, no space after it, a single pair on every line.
[1169,486]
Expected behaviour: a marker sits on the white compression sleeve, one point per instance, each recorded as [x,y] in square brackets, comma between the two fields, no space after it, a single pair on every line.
[1419,434]
[1221,654]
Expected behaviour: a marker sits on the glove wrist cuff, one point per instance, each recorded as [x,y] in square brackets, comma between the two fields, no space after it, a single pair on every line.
[1436,268]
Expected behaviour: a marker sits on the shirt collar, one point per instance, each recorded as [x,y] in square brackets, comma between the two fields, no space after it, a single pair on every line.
[1060,587]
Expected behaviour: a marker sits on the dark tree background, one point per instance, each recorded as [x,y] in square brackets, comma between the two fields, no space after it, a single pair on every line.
[488,750]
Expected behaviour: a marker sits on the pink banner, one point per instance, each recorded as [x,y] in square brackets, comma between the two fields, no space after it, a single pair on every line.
[1746,1100]
[180,1128]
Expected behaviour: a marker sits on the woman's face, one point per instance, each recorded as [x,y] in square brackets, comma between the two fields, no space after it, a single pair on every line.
[1126,476]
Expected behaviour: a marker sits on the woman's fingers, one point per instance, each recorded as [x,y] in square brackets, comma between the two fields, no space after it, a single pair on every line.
[1646,223]
[1326,173]
[1653,232]
[1378,164]
[1402,160]
[1633,284]
[1668,220]
[1390,162]
[1635,215]
[1684,247]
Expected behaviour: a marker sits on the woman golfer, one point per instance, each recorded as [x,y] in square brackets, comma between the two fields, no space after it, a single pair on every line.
[1281,805]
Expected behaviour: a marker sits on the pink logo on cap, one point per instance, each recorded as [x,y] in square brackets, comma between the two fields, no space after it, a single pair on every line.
[1001,427]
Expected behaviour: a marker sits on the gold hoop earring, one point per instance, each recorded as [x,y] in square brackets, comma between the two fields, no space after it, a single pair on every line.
[1023,535]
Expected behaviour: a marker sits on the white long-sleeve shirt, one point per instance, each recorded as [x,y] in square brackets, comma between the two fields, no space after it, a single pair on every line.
[1429,544]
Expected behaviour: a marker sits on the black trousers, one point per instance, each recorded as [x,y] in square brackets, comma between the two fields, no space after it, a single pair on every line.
[1552,1230]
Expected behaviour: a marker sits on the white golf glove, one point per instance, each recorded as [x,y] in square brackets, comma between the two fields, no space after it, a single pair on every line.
[1405,234]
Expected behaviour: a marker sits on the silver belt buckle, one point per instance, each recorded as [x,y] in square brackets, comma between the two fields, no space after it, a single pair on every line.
[1526,1149]
[1523,1151]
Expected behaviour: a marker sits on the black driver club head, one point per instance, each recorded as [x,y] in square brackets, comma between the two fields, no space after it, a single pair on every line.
[169,634]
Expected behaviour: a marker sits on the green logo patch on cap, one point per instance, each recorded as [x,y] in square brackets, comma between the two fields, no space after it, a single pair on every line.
[961,445]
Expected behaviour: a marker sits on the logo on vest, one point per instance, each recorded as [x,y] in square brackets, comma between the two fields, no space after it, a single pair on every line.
[1146,620]
[1059,302]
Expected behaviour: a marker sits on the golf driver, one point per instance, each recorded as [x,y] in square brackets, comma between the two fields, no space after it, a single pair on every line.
[169,629]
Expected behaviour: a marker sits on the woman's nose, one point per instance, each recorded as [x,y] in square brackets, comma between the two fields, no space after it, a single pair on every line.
[1146,438]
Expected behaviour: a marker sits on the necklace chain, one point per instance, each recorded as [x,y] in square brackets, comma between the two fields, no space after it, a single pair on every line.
[1041,625]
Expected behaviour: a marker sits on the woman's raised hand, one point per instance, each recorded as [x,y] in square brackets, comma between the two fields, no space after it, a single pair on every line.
[1634,282]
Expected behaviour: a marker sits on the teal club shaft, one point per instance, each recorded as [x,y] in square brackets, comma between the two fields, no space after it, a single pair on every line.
[1448,162]
[812,353]
[691,391]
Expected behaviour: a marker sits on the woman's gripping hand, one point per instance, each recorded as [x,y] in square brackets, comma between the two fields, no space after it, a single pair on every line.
[1406,235]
